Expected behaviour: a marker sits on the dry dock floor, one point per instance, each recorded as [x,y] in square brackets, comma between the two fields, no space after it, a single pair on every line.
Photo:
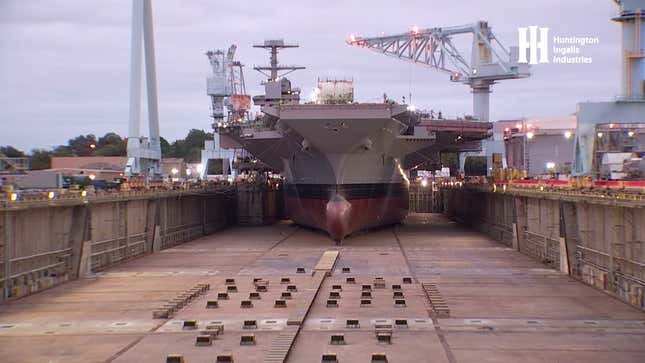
[504,306]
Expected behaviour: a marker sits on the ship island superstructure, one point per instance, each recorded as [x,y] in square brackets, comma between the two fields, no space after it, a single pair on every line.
[345,163]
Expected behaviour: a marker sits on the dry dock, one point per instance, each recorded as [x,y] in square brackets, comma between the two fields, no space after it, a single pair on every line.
[486,302]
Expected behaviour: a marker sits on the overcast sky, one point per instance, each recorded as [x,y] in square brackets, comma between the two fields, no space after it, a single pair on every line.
[64,64]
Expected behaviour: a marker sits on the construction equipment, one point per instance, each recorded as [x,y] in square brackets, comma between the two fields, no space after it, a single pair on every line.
[433,47]
[226,87]
[11,165]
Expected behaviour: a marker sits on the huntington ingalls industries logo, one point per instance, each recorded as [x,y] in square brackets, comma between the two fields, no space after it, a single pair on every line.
[534,47]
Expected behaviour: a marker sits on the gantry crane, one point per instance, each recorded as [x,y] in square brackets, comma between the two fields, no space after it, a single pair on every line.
[226,87]
[490,61]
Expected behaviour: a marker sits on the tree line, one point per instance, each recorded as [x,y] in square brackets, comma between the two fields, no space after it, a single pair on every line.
[111,144]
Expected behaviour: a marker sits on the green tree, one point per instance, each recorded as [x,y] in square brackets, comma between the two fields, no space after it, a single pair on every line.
[63,150]
[80,145]
[165,147]
[111,144]
[451,160]
[194,143]
[40,159]
[475,166]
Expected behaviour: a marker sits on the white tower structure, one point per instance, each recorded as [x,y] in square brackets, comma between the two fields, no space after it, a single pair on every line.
[144,153]
[629,108]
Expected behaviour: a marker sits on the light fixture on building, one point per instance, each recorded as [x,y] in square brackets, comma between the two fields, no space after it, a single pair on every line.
[600,134]
[529,135]
[200,168]
[13,197]
[174,171]
[424,183]
[188,171]
[567,134]
[630,133]
[92,176]
[51,195]
[550,165]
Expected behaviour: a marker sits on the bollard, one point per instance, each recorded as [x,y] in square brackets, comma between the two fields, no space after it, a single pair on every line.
[203,340]
[329,358]
[383,337]
[226,358]
[213,330]
[189,324]
[352,323]
[174,358]
[248,339]
[401,323]
[222,296]
[254,296]
[337,339]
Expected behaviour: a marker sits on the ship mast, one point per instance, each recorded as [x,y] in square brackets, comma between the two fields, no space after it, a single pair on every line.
[277,88]
[273,46]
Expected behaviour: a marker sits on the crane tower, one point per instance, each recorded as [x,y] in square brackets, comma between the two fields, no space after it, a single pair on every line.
[433,47]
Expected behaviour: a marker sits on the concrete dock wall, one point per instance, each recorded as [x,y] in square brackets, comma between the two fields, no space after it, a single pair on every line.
[45,243]
[598,240]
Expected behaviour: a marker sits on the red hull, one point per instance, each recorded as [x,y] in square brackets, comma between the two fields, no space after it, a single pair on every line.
[340,217]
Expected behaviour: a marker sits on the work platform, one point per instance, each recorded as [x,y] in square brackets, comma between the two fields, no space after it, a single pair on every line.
[438,292]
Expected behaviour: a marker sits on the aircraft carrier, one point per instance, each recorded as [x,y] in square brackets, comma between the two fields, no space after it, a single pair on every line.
[344,163]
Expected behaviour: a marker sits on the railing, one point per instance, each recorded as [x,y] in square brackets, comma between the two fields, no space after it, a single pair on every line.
[543,248]
[109,252]
[37,271]
[178,234]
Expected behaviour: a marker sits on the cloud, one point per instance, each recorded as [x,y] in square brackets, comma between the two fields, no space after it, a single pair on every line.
[64,64]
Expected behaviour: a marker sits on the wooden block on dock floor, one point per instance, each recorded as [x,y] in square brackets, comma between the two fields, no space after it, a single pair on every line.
[203,340]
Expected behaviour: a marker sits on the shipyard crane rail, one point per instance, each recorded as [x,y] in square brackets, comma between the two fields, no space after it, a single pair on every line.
[433,47]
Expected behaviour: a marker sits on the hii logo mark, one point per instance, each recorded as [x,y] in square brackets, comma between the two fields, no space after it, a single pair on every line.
[533,45]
